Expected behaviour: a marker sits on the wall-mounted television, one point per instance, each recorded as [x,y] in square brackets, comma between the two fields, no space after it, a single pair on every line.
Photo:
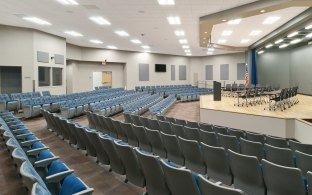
[160,67]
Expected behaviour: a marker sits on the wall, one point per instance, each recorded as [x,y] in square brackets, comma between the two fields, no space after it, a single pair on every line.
[17,50]
[131,61]
[197,65]
[289,67]
[52,45]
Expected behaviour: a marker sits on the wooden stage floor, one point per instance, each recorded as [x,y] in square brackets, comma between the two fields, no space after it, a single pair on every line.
[302,110]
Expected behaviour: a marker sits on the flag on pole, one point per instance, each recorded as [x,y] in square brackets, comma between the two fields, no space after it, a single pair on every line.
[246,77]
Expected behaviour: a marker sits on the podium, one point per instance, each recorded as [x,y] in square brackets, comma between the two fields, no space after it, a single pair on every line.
[216,91]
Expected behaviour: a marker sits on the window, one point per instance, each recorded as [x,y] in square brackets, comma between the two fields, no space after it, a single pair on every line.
[44,76]
[57,76]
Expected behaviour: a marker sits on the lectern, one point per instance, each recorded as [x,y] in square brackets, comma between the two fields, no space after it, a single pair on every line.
[216,91]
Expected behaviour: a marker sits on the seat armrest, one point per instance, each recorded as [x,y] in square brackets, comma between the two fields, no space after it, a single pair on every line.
[35,152]
[23,136]
[45,162]
[88,191]
[16,131]
[56,178]
[29,143]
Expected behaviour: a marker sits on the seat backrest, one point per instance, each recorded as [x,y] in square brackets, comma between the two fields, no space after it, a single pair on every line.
[255,137]
[193,155]
[140,133]
[128,157]
[136,119]
[229,142]
[178,130]
[217,164]
[303,162]
[153,173]
[191,133]
[120,131]
[309,177]
[156,142]
[221,130]
[161,118]
[206,127]
[209,188]
[128,118]
[192,124]
[209,138]
[280,180]
[39,189]
[154,124]
[180,122]
[174,152]
[277,142]
[251,148]
[247,173]
[280,156]
[145,122]
[179,180]
[171,120]
[165,127]
[237,133]
[132,139]
[305,148]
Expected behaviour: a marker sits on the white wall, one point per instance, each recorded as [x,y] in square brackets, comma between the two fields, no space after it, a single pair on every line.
[16,49]
[53,45]
[197,65]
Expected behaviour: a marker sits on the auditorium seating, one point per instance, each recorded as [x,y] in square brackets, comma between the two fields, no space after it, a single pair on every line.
[40,168]
[161,107]
[142,105]
[6,103]
[217,163]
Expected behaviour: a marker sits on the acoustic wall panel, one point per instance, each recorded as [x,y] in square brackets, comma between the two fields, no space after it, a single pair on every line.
[182,72]
[59,59]
[209,72]
[224,72]
[241,70]
[143,72]
[42,57]
[173,72]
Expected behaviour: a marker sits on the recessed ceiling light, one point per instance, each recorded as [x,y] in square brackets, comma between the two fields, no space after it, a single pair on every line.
[209,53]
[271,19]
[166,2]
[295,41]
[278,41]
[68,2]
[255,32]
[179,33]
[73,33]
[211,49]
[308,27]
[37,21]
[205,32]
[262,11]
[188,54]
[99,20]
[183,41]
[204,38]
[185,47]
[174,20]
[309,35]
[187,51]
[292,34]
[122,33]
[145,46]
[245,40]
[222,41]
[147,51]
[96,41]
[260,52]
[136,41]
[269,45]
[227,33]
[111,47]
[283,46]
[224,20]
[234,22]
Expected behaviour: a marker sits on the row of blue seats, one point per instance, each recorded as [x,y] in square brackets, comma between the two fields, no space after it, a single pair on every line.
[140,106]
[42,172]
[192,96]
[146,88]
[77,107]
[113,106]
[161,107]
[102,87]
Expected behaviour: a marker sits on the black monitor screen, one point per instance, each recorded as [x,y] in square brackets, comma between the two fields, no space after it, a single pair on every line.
[160,67]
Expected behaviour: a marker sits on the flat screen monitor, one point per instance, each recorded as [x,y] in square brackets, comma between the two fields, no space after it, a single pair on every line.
[160,67]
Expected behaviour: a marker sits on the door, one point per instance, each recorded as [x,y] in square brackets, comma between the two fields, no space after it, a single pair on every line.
[195,76]
[107,77]
[97,79]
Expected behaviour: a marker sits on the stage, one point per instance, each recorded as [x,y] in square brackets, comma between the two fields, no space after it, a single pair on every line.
[288,123]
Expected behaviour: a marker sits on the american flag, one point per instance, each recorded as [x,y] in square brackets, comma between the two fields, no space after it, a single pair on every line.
[246,77]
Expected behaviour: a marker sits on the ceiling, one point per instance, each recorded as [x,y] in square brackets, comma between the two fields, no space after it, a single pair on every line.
[145,20]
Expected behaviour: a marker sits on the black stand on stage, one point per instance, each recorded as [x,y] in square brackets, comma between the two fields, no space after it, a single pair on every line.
[216,91]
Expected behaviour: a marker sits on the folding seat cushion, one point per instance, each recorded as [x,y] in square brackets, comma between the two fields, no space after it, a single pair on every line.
[73,185]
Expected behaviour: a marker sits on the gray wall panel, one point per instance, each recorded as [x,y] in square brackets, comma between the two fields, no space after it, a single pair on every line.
[241,70]
[182,72]
[224,72]
[173,72]
[143,72]
[43,57]
[59,59]
[209,72]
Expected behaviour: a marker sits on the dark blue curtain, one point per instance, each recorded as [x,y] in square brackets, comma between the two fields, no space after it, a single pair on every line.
[253,72]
